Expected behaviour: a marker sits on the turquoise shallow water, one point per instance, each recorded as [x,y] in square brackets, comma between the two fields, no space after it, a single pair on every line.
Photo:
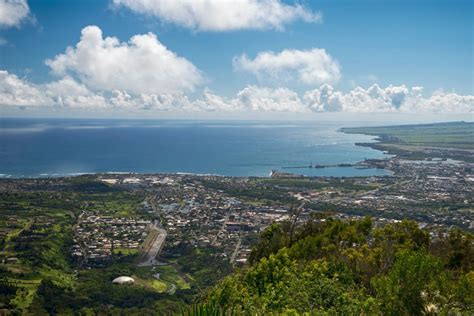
[40,147]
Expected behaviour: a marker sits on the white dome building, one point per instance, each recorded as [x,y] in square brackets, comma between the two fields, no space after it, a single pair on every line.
[123,280]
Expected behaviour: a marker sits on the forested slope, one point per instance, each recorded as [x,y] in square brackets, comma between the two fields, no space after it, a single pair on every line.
[327,266]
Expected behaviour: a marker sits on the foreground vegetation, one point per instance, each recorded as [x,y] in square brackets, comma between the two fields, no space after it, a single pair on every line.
[327,266]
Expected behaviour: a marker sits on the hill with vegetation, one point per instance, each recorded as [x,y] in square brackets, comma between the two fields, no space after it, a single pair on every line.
[332,267]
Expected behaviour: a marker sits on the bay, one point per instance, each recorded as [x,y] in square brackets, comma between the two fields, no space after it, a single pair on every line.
[56,147]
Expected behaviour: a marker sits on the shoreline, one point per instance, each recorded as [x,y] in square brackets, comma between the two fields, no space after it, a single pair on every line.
[410,141]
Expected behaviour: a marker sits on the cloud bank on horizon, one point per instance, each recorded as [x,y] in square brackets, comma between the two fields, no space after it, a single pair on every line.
[143,74]
[68,93]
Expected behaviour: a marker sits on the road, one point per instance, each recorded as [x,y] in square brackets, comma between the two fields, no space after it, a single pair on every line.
[82,245]
[236,251]
[214,239]
[152,246]
[374,191]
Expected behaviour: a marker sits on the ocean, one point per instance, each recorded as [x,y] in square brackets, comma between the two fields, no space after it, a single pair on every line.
[57,147]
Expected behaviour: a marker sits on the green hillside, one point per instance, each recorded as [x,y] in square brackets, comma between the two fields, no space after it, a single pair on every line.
[331,267]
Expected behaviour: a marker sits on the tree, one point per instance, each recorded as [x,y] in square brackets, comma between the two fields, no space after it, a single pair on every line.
[273,238]
[412,286]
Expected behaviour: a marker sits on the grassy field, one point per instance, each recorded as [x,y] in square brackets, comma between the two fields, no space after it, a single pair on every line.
[125,251]
[441,135]
[453,140]
[170,274]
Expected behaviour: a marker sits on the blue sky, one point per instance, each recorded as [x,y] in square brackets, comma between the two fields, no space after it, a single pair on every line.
[399,43]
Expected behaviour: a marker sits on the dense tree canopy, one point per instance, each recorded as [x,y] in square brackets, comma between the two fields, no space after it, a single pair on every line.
[351,267]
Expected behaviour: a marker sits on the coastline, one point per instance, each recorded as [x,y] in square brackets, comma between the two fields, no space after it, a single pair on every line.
[409,141]
[234,148]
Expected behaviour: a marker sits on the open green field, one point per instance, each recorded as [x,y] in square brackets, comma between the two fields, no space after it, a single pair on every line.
[453,140]
[442,135]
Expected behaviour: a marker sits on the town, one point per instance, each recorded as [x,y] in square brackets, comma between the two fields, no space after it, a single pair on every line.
[176,232]
[98,237]
[226,214]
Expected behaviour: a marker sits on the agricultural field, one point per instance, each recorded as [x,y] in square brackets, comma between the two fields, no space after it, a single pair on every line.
[453,140]
[443,135]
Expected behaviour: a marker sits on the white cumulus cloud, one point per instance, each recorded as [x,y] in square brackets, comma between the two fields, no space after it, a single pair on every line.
[13,12]
[218,15]
[391,99]
[250,99]
[311,67]
[143,65]
[68,93]
[266,99]
[18,92]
